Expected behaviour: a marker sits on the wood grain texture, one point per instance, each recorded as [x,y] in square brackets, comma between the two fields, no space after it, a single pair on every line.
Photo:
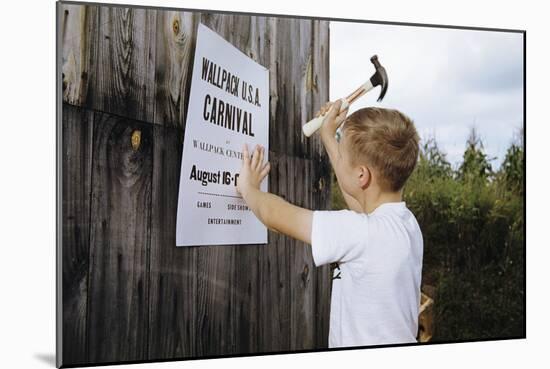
[119,240]
[143,297]
[321,171]
[320,192]
[275,262]
[302,270]
[292,105]
[317,81]
[78,28]
[173,275]
[125,49]
[275,277]
[175,45]
[295,108]
[77,130]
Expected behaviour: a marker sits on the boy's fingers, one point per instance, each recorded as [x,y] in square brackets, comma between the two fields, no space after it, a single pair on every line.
[265,170]
[334,109]
[261,158]
[326,107]
[254,161]
[323,109]
[342,116]
[246,155]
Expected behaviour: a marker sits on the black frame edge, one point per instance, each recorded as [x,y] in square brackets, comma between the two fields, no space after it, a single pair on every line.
[59,192]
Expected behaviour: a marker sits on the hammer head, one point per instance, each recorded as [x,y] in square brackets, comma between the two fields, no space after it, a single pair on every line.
[379,78]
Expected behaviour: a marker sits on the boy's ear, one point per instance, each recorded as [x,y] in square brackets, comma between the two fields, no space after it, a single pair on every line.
[364,177]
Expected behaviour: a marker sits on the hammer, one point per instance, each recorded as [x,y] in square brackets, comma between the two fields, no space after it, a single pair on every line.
[379,78]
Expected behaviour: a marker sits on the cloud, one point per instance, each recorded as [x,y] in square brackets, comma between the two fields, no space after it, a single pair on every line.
[447,80]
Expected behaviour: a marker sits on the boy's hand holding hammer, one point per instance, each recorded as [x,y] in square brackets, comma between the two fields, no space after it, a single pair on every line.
[333,120]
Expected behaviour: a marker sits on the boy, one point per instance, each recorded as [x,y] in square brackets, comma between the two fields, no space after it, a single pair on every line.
[377,244]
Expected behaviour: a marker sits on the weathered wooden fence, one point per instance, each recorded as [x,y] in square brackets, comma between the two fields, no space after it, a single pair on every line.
[128,292]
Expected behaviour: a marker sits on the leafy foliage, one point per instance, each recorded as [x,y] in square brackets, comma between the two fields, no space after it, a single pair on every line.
[511,175]
[475,165]
[433,162]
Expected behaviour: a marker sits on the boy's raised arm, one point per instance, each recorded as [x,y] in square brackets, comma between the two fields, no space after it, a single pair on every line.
[328,130]
[273,211]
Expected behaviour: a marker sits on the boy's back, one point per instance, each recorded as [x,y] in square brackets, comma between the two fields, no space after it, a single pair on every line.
[377,243]
[376,297]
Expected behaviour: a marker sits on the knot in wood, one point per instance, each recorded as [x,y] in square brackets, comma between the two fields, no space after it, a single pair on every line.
[305,274]
[136,139]
[176,26]
[321,183]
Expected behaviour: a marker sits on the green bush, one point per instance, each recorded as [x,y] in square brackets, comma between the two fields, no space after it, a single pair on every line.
[472,221]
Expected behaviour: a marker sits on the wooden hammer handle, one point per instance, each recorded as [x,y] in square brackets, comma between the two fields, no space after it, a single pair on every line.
[313,125]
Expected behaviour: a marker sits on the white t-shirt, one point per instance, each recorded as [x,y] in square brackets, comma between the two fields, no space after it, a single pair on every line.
[376,298]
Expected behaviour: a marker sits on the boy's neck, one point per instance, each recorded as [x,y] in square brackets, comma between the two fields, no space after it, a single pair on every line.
[374,198]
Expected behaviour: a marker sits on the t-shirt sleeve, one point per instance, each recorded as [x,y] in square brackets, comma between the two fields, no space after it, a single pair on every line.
[337,236]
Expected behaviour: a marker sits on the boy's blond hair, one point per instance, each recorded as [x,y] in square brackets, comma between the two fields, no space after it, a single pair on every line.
[386,140]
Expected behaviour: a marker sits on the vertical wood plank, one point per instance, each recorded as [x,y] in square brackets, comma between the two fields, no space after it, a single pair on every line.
[302,272]
[274,268]
[215,297]
[125,82]
[321,172]
[77,130]
[173,289]
[119,242]
[79,29]
[291,110]
[175,48]
[320,192]
[318,82]
[275,275]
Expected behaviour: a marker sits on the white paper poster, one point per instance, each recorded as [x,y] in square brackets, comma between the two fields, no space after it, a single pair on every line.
[228,106]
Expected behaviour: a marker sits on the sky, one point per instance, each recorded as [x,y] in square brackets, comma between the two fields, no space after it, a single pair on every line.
[446,80]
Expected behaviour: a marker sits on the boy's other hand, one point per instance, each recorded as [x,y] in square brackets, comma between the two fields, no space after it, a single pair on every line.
[334,117]
[253,170]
